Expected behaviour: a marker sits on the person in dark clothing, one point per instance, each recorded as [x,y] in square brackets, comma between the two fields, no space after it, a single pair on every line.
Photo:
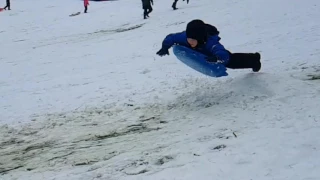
[146,6]
[7,5]
[205,38]
[174,5]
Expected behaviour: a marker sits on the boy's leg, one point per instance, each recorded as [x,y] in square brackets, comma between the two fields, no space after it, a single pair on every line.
[85,9]
[245,61]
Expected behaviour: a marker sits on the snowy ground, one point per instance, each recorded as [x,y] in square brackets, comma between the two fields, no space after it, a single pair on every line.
[85,97]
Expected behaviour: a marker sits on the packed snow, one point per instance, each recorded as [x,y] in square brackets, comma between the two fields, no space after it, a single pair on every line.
[86,97]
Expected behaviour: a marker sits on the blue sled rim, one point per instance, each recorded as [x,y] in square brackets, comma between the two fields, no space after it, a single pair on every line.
[197,61]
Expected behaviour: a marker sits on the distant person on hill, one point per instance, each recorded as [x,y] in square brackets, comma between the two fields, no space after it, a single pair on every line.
[7,5]
[204,38]
[86,4]
[146,6]
[174,5]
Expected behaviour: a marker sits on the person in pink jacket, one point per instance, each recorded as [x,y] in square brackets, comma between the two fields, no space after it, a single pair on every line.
[86,3]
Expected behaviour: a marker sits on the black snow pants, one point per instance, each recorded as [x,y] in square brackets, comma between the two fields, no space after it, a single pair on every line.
[7,5]
[174,5]
[146,6]
[147,11]
[244,61]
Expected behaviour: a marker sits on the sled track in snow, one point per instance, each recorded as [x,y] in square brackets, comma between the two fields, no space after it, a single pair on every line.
[80,137]
[106,136]
[76,38]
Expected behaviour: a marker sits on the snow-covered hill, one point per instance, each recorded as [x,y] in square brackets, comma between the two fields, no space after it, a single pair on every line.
[85,97]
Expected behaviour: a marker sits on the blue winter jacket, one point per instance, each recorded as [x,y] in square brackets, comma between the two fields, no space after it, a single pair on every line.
[211,48]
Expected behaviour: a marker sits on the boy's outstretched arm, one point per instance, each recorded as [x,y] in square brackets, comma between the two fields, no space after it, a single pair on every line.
[170,40]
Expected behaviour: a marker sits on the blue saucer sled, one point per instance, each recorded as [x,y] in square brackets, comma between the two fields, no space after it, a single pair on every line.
[197,61]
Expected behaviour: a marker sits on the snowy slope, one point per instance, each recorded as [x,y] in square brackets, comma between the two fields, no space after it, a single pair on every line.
[85,97]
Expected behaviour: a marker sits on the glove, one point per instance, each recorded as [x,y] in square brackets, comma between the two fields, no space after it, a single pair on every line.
[163,51]
[213,59]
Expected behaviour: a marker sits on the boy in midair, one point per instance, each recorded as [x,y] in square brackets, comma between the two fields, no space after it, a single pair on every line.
[146,6]
[204,38]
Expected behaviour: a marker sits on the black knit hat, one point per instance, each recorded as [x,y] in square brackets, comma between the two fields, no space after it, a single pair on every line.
[196,30]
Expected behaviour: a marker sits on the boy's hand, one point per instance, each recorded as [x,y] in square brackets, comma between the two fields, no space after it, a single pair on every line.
[163,51]
[211,59]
